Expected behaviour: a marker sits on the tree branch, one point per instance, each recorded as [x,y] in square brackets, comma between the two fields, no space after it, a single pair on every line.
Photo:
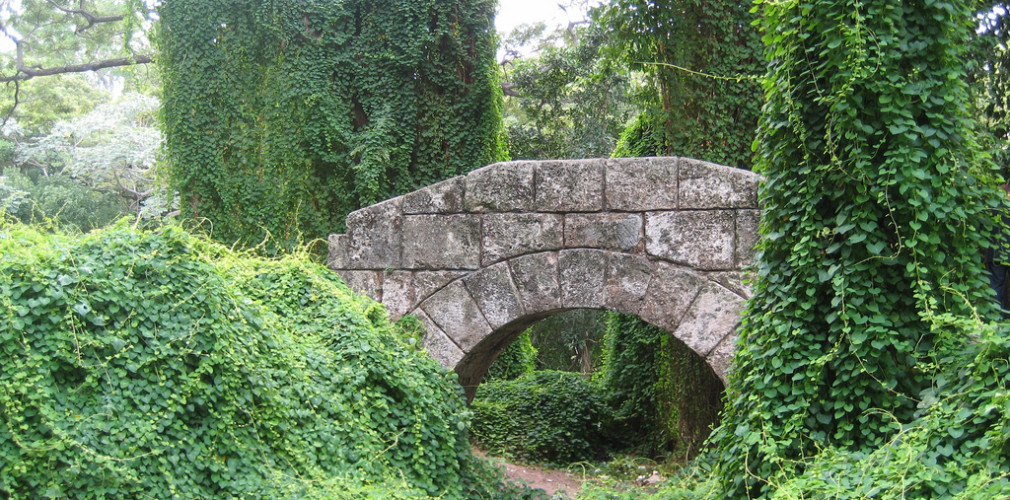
[17,97]
[92,19]
[509,89]
[27,73]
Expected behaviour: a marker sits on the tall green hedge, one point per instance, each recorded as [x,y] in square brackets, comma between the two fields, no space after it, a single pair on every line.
[282,116]
[875,215]
[159,365]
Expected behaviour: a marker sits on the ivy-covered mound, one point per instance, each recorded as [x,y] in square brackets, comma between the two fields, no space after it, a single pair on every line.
[161,365]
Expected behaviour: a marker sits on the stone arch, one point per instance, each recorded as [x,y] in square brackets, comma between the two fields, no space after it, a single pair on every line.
[479,257]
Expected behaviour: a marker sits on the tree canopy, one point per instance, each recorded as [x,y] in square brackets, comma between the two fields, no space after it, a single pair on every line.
[71,36]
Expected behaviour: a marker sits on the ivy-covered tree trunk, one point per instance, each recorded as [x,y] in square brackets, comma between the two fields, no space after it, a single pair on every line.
[875,217]
[282,116]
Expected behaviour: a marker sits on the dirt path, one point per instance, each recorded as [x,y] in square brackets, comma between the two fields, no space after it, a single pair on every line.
[549,480]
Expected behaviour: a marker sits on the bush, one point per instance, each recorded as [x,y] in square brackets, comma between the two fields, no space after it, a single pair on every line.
[547,416]
[58,200]
[161,365]
[517,360]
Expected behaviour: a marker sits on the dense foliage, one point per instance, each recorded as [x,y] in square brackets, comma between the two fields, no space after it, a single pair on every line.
[565,99]
[990,76]
[664,397]
[517,360]
[875,212]
[160,365]
[281,117]
[545,416]
[702,59]
[85,171]
[650,395]
[58,201]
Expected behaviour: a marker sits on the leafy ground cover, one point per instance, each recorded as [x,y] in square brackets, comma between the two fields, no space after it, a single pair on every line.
[156,364]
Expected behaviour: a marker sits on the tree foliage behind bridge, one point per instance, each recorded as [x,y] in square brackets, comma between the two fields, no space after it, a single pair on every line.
[703,59]
[282,116]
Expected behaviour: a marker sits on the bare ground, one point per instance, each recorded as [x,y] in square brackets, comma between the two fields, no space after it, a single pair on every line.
[550,480]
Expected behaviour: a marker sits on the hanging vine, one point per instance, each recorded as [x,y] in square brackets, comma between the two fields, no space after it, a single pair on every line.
[282,116]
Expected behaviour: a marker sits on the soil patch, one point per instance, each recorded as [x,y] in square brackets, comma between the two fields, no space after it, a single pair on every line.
[550,480]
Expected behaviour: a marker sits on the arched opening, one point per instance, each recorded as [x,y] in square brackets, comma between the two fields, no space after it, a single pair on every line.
[653,395]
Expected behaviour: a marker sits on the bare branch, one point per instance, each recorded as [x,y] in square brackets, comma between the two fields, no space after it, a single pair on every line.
[135,197]
[92,18]
[10,112]
[27,73]
[509,89]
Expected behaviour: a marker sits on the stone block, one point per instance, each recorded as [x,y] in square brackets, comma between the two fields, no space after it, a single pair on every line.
[364,282]
[373,239]
[496,295]
[702,239]
[747,222]
[582,277]
[609,231]
[569,186]
[441,242]
[739,282]
[335,251]
[628,278]
[455,312]
[641,184]
[671,291]
[446,197]
[536,278]
[513,234]
[708,185]
[437,343]
[714,314]
[429,282]
[398,293]
[722,356]
[502,187]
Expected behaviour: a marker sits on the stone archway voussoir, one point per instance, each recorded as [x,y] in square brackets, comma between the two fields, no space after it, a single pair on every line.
[714,314]
[536,277]
[495,294]
[671,292]
[628,278]
[437,343]
[455,312]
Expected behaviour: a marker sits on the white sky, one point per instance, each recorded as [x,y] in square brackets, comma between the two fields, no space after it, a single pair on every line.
[512,13]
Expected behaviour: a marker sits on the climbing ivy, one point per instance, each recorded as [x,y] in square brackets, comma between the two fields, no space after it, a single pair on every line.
[517,360]
[875,212]
[665,398]
[282,116]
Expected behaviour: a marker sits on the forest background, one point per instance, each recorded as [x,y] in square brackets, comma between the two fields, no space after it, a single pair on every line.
[81,149]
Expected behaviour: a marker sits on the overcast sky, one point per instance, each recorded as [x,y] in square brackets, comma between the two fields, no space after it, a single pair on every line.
[512,13]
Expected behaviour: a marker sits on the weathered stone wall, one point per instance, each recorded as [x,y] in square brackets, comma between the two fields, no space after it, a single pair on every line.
[479,257]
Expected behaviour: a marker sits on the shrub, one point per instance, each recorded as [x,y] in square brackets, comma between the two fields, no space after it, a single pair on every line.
[547,416]
[158,364]
[57,200]
[517,360]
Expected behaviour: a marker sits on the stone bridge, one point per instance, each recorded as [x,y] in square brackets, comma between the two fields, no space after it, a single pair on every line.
[481,257]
